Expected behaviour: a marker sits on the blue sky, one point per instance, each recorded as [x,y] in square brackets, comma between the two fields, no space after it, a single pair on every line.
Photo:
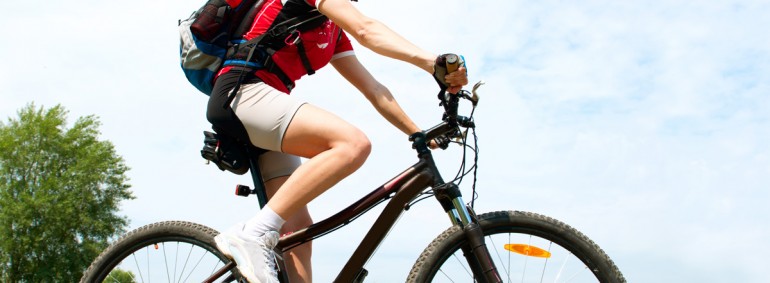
[643,124]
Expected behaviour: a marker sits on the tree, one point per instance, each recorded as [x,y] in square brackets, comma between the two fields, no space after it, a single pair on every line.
[60,191]
[122,276]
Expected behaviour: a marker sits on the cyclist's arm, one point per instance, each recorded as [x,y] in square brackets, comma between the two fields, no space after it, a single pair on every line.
[380,97]
[374,35]
[379,38]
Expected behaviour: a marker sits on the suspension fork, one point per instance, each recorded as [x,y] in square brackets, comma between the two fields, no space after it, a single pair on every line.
[475,251]
[450,198]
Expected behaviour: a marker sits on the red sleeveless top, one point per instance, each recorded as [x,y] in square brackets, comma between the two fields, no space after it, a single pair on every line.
[322,44]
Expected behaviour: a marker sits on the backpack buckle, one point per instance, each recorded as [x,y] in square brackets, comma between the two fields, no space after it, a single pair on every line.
[288,40]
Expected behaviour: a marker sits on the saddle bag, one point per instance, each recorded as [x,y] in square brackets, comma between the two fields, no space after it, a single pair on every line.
[225,152]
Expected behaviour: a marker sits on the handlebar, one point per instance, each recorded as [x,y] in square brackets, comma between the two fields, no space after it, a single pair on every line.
[450,127]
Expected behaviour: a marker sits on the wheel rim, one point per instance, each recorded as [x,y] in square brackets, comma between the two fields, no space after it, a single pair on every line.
[168,259]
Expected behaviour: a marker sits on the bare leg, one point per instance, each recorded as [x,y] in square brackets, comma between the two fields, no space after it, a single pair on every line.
[335,149]
[298,259]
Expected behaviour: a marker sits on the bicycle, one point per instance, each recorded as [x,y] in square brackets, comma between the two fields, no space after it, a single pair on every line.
[492,247]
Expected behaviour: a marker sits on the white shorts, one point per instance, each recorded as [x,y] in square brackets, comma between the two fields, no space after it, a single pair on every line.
[266,114]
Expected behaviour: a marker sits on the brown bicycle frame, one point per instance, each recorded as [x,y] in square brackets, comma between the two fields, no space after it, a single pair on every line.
[398,192]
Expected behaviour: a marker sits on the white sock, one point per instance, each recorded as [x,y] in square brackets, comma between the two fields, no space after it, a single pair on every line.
[265,220]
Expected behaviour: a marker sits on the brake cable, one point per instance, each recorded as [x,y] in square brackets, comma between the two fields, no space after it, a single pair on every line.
[462,172]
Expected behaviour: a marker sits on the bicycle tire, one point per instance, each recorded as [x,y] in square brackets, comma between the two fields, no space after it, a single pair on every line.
[157,241]
[434,264]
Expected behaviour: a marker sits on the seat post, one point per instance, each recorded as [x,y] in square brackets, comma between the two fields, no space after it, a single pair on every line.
[256,175]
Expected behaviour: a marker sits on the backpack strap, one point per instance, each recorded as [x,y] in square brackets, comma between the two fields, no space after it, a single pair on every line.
[256,53]
[248,18]
[293,28]
[303,57]
[250,56]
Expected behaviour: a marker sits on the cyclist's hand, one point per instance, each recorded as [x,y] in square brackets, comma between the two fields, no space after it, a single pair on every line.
[457,80]
[433,144]
[448,78]
[441,142]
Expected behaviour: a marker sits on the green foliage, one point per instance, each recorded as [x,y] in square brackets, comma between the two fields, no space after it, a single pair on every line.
[122,276]
[60,191]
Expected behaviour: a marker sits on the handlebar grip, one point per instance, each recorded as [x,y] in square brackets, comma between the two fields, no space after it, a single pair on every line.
[452,63]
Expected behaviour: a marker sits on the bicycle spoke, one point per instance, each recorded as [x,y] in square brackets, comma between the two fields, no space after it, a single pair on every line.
[493,246]
[457,258]
[186,260]
[196,265]
[138,269]
[176,260]
[447,276]
[165,259]
[179,262]
[167,252]
[508,266]
[530,258]
[216,267]
[545,264]
[147,254]
[526,260]
[561,268]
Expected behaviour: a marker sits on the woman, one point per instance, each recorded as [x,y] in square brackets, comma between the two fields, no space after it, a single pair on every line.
[273,120]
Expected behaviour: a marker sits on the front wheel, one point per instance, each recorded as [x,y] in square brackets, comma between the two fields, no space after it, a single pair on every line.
[526,247]
[171,251]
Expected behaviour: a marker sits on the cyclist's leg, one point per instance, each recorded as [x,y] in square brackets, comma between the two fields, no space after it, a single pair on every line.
[327,140]
[278,122]
[298,260]
[261,114]
[276,168]
[335,149]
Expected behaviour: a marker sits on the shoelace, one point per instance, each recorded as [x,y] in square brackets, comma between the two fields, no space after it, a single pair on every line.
[272,257]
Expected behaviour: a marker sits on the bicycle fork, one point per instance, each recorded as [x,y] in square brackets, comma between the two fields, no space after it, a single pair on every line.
[475,250]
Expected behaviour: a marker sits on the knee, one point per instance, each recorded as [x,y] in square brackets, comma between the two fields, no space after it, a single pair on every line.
[363,145]
[358,148]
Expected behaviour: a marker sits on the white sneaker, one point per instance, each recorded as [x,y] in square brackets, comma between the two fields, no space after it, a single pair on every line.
[255,258]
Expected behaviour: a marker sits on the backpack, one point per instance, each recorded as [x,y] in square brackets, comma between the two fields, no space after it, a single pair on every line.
[211,39]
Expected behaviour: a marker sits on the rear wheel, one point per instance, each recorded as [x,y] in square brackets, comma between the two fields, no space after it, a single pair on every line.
[526,247]
[172,251]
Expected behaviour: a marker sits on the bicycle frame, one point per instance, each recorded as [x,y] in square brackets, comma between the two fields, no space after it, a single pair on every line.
[398,192]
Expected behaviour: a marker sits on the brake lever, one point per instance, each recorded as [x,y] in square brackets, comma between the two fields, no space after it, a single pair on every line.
[475,97]
[442,142]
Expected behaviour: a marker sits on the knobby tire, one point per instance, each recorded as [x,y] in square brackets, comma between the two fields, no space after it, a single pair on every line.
[443,260]
[181,246]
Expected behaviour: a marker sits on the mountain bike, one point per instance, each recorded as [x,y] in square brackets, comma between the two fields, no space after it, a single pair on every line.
[501,246]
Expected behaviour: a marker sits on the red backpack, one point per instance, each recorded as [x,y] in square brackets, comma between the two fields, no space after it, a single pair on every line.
[212,38]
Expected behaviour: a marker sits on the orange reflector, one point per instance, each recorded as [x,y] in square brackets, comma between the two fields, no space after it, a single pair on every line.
[156,246]
[528,250]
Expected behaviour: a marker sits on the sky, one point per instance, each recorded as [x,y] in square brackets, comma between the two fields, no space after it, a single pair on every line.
[643,124]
